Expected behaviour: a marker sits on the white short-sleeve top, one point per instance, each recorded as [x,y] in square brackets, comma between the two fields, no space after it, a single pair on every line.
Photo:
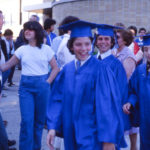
[34,60]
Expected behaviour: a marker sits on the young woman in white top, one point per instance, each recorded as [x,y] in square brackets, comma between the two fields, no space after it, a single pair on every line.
[34,85]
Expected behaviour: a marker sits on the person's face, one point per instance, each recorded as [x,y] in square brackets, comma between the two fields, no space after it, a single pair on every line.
[120,40]
[142,32]
[147,52]
[1,21]
[52,28]
[133,32]
[33,18]
[103,43]
[81,48]
[9,37]
[29,34]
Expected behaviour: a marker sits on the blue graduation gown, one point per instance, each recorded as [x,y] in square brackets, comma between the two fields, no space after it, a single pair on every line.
[50,38]
[139,90]
[85,102]
[120,75]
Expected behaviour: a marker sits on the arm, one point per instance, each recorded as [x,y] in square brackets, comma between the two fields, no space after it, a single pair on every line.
[54,71]
[132,99]
[108,146]
[12,62]
[129,65]
[54,110]
[108,109]
[50,139]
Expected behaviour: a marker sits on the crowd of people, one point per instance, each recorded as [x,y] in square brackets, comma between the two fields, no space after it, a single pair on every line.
[90,85]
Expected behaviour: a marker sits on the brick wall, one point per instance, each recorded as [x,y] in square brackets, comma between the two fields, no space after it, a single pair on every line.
[129,12]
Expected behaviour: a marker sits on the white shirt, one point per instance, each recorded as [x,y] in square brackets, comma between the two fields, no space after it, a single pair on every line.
[63,54]
[34,60]
[104,55]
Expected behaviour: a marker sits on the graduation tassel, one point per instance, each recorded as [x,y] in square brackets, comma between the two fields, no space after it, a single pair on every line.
[93,44]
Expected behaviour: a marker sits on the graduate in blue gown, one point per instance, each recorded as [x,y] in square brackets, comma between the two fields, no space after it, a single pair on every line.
[105,42]
[84,101]
[139,91]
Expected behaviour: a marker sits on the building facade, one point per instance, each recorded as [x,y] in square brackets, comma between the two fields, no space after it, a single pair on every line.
[128,12]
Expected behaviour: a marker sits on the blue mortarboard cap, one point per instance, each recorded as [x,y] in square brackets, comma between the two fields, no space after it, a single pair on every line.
[79,28]
[146,40]
[106,30]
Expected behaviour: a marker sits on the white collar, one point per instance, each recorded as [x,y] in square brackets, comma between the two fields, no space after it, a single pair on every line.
[140,39]
[82,62]
[104,55]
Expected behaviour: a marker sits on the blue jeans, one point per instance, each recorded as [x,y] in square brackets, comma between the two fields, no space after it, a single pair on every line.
[5,76]
[3,136]
[33,95]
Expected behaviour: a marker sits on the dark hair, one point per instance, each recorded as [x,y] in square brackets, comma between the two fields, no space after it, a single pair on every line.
[37,18]
[48,23]
[119,24]
[142,29]
[126,36]
[67,20]
[70,44]
[8,32]
[1,12]
[39,33]
[112,41]
[133,28]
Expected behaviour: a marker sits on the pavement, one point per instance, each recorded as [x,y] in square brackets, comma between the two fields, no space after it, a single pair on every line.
[9,107]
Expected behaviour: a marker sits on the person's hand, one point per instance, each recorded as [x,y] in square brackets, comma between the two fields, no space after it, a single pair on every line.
[50,139]
[48,81]
[126,108]
[108,146]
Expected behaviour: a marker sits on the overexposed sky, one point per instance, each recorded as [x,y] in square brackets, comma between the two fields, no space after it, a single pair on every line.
[10,10]
[31,2]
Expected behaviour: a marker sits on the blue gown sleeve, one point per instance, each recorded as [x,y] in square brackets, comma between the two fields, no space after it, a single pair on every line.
[54,110]
[123,83]
[133,85]
[108,108]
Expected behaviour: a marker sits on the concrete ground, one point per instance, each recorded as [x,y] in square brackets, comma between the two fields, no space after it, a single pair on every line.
[9,107]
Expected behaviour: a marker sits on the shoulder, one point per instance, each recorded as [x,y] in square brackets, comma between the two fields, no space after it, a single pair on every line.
[46,47]
[58,38]
[129,54]
[22,47]
[115,60]
[130,61]
[53,34]
[93,61]
[139,72]
[141,67]
[70,64]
